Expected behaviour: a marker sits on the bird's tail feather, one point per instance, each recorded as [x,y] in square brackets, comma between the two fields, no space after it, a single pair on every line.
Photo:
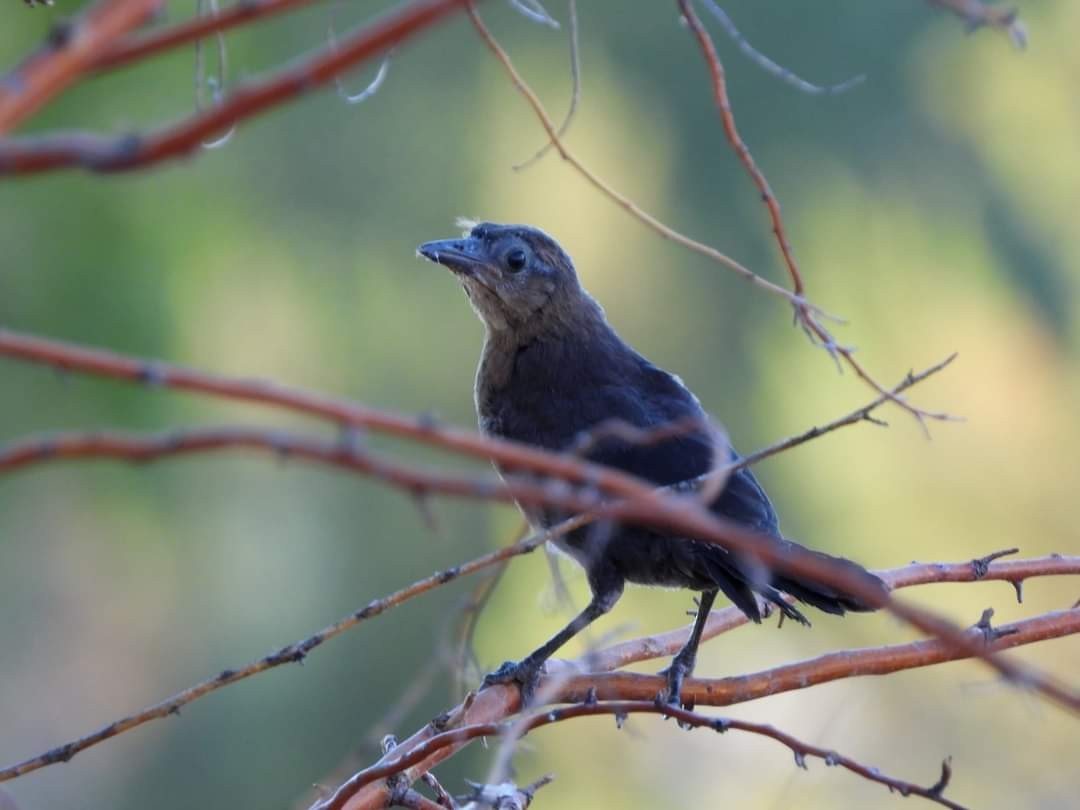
[825,597]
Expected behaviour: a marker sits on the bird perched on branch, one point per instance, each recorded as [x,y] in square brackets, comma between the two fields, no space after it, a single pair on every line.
[554,373]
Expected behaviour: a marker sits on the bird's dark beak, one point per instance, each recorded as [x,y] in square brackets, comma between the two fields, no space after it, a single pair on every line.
[460,255]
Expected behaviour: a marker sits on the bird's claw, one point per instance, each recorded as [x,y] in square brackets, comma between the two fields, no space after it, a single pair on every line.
[525,674]
[671,695]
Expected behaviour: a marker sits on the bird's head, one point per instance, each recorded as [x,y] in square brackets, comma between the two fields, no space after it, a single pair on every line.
[517,277]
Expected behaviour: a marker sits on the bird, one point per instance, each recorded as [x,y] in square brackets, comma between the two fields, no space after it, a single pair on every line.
[553,372]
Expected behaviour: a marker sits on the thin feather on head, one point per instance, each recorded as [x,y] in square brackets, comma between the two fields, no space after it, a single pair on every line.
[467,224]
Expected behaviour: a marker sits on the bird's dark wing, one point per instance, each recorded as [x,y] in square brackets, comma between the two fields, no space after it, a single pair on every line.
[744,501]
[658,398]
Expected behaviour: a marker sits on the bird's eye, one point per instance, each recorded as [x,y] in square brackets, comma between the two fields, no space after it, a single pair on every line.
[515,259]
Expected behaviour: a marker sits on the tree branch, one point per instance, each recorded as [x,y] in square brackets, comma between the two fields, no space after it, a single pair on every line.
[636,500]
[1014,572]
[456,738]
[495,704]
[71,50]
[807,314]
[137,47]
[109,154]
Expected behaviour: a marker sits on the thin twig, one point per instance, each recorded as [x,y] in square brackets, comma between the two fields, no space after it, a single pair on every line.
[863,414]
[809,315]
[602,186]
[291,653]
[455,738]
[809,318]
[774,68]
[575,92]
[535,12]
[977,14]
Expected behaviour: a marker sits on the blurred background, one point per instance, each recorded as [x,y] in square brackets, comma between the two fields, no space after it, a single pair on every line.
[934,207]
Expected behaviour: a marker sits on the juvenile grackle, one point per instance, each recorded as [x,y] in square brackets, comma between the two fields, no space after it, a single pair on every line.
[551,371]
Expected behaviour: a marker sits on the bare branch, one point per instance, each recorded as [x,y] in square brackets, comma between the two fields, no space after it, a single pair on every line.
[807,314]
[71,50]
[721,621]
[291,653]
[808,317]
[495,704]
[400,762]
[619,199]
[769,66]
[575,93]
[535,12]
[108,154]
[600,661]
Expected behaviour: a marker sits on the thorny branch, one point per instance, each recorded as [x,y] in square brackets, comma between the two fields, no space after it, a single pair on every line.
[1015,572]
[601,661]
[620,710]
[635,500]
[495,704]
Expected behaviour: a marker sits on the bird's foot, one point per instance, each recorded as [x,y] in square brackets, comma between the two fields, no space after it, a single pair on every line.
[525,674]
[671,695]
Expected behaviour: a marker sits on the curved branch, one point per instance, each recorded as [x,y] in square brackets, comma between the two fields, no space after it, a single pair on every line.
[340,800]
[109,154]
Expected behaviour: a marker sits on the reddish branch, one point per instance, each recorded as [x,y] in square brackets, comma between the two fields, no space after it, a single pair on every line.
[823,669]
[637,502]
[496,704]
[140,46]
[106,154]
[399,762]
[716,70]
[70,52]
[1015,572]
[808,318]
[604,660]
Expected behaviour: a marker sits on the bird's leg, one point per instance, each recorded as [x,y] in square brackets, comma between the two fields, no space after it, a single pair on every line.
[526,672]
[683,662]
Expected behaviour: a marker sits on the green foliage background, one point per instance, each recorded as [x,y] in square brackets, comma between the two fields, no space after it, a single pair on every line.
[935,207]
